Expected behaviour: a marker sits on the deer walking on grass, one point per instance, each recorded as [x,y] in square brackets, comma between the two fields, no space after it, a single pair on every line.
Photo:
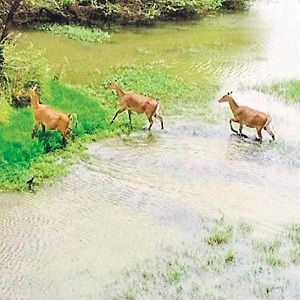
[49,118]
[250,117]
[133,102]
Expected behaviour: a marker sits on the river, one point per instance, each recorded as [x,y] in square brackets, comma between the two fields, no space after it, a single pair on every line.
[140,193]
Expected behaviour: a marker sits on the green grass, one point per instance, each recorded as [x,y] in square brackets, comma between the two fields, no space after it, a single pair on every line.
[79,33]
[269,251]
[289,90]
[22,157]
[5,110]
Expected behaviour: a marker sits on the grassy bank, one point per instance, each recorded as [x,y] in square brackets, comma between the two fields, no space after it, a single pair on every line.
[22,157]
[230,261]
[288,90]
[46,158]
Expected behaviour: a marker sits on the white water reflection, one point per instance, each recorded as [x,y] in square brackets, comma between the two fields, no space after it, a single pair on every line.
[277,45]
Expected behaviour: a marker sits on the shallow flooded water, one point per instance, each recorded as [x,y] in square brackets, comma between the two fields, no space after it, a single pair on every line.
[140,193]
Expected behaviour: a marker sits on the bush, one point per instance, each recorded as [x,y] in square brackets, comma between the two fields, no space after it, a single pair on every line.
[100,12]
[22,69]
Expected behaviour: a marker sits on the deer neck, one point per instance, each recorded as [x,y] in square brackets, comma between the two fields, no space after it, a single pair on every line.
[233,105]
[120,92]
[34,100]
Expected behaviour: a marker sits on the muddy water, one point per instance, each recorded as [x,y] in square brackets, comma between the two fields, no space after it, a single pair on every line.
[142,192]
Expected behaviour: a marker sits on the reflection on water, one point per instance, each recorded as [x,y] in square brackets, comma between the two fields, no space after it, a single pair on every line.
[141,192]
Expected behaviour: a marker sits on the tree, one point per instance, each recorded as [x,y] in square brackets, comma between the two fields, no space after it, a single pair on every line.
[8,9]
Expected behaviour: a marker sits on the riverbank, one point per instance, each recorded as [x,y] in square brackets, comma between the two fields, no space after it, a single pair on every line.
[94,13]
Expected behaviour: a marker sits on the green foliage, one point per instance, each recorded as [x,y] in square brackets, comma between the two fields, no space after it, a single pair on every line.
[97,12]
[22,69]
[235,4]
[54,4]
[77,32]
[202,5]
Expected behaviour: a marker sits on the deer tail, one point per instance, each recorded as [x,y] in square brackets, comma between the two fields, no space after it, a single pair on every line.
[269,120]
[157,110]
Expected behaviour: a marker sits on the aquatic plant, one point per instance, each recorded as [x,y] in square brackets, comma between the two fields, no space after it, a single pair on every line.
[79,33]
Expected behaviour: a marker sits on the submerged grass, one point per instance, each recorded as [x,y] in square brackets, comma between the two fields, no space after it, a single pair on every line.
[44,157]
[200,271]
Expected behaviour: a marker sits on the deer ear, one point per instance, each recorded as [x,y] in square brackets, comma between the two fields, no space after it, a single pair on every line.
[231,92]
[228,93]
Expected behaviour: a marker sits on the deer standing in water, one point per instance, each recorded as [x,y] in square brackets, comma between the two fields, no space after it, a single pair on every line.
[133,102]
[245,115]
[48,117]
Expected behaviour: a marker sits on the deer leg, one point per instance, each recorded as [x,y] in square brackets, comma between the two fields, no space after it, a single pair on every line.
[160,119]
[259,134]
[64,135]
[267,128]
[240,131]
[230,122]
[151,122]
[35,129]
[129,116]
[118,112]
[43,127]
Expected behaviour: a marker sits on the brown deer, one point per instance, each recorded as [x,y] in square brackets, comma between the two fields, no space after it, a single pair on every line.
[48,118]
[133,102]
[245,115]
